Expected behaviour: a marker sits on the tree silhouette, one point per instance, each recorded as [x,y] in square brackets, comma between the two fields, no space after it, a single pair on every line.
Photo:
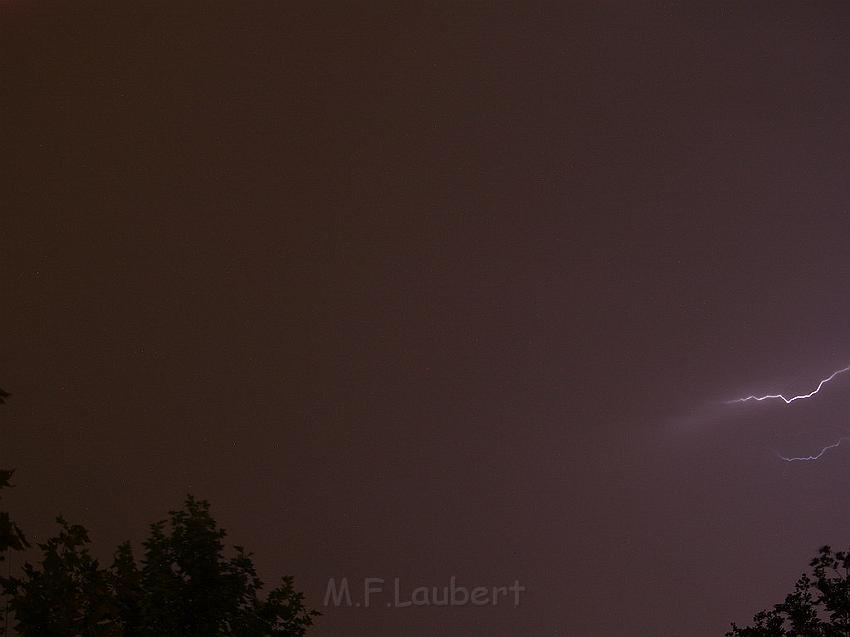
[185,586]
[187,583]
[11,537]
[819,605]
[67,594]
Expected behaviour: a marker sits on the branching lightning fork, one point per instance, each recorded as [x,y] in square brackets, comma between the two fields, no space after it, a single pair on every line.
[817,456]
[788,401]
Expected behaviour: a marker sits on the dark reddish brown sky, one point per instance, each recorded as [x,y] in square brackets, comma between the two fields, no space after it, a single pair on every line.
[438,291]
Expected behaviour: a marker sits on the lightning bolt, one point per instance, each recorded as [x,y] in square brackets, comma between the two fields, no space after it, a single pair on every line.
[788,401]
[817,456]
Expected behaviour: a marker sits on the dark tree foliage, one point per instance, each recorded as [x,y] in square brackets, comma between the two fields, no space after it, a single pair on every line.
[188,585]
[184,586]
[67,593]
[819,605]
[11,537]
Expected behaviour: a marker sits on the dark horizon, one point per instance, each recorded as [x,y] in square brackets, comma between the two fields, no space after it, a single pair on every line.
[448,291]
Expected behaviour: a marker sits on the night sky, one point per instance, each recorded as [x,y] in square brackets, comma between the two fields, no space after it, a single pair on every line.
[456,290]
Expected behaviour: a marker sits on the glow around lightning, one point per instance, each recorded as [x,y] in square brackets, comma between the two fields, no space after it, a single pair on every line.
[788,401]
[817,456]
